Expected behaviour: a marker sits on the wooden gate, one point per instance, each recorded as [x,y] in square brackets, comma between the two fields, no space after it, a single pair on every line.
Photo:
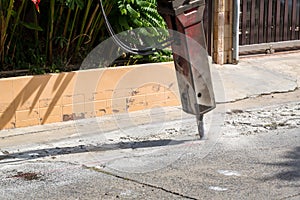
[270,23]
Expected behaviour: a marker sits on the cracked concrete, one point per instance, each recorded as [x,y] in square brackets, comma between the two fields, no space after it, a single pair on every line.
[255,76]
[255,121]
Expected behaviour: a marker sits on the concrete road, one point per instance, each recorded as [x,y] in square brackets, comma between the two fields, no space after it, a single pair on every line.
[251,151]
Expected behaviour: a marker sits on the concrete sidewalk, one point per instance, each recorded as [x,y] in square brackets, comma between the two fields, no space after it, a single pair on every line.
[257,75]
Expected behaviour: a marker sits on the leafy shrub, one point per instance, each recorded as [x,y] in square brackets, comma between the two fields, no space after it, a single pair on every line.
[44,36]
[49,36]
[132,14]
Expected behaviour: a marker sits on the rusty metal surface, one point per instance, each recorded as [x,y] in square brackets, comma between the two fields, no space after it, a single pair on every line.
[176,7]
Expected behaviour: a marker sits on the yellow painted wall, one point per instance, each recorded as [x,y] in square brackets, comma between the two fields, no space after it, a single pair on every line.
[36,100]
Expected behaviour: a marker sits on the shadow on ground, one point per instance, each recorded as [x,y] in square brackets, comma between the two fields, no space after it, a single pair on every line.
[290,169]
[40,153]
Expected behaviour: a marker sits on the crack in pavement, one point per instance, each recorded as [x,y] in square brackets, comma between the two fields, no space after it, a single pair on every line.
[290,196]
[138,182]
[258,95]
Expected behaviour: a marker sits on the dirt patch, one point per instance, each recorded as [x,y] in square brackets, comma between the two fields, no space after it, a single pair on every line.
[28,176]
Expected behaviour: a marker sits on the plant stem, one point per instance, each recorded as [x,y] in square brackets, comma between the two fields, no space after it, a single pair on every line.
[3,33]
[83,24]
[15,25]
[50,41]
[71,31]
[59,19]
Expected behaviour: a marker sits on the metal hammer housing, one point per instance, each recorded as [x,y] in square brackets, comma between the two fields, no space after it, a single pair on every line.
[190,56]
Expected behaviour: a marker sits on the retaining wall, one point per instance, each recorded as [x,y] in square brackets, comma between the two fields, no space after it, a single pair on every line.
[36,100]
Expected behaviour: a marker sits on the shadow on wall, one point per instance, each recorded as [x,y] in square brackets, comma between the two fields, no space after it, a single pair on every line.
[37,100]
[27,100]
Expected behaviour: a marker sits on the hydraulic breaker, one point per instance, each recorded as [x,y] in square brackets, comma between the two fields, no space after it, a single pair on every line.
[190,55]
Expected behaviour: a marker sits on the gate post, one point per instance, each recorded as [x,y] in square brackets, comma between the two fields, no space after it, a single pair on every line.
[235,31]
[223,32]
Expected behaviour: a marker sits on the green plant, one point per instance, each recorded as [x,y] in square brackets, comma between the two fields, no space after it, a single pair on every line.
[138,13]
[6,12]
[76,26]
[141,14]
[58,32]
[43,36]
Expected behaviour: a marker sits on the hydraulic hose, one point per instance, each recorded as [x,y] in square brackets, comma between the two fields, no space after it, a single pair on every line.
[144,51]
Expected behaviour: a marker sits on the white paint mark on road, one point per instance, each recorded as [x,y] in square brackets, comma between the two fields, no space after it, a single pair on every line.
[216,188]
[229,173]
[126,193]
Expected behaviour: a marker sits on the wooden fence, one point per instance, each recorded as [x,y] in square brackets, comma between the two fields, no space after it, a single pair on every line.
[266,21]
